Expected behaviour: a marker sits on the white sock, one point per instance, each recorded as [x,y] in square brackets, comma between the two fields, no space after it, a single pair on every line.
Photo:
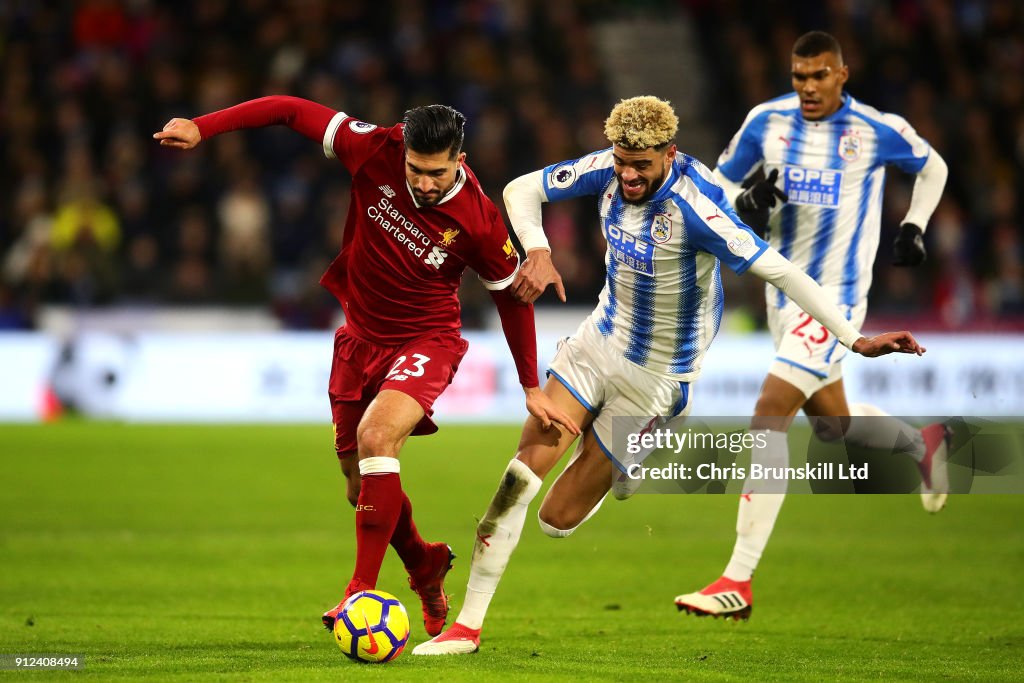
[554,532]
[497,535]
[758,511]
[379,465]
[883,432]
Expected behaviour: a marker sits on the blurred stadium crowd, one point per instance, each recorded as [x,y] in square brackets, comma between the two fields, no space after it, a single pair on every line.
[94,213]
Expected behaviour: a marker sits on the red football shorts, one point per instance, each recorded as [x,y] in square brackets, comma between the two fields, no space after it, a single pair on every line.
[421,368]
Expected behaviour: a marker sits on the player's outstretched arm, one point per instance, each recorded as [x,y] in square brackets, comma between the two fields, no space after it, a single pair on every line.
[884,344]
[808,295]
[520,332]
[303,116]
[179,133]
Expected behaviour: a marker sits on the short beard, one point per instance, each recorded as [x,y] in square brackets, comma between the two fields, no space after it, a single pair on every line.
[652,187]
[430,200]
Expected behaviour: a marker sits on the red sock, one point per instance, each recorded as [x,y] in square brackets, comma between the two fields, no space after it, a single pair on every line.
[406,540]
[377,511]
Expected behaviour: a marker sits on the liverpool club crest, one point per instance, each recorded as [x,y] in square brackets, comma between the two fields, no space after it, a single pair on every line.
[448,236]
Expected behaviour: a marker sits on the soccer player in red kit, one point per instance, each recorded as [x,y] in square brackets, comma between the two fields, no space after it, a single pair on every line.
[417,219]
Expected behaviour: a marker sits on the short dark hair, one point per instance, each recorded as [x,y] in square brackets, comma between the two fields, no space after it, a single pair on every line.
[815,43]
[434,128]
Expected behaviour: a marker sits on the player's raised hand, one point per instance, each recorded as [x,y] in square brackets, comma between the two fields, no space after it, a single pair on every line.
[534,277]
[544,409]
[754,204]
[766,193]
[890,342]
[179,133]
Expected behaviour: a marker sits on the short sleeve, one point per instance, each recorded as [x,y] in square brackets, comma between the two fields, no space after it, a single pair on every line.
[900,145]
[744,152]
[713,226]
[581,177]
[352,141]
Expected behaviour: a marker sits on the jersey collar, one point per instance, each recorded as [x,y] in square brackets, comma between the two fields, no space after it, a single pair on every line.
[460,180]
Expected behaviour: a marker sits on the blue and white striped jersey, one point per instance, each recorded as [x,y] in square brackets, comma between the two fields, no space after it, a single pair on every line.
[833,171]
[661,304]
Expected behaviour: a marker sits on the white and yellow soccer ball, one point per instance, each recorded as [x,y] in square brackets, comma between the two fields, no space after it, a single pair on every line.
[372,626]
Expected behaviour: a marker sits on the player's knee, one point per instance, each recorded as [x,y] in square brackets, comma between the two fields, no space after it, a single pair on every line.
[352,494]
[771,411]
[375,440]
[555,525]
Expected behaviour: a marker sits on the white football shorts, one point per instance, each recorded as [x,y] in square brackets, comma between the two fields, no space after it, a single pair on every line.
[807,355]
[620,394]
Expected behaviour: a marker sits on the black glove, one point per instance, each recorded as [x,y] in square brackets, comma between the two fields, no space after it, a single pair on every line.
[908,249]
[754,204]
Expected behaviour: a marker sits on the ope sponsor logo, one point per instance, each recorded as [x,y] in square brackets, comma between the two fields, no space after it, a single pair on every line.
[630,251]
[626,241]
[810,175]
[813,187]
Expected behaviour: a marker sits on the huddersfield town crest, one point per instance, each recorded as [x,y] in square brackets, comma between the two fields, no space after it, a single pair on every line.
[849,146]
[661,228]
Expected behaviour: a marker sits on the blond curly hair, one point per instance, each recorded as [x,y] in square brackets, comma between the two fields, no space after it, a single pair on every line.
[641,122]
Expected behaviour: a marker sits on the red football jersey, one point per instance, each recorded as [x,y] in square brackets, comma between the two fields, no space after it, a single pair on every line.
[398,273]
[400,264]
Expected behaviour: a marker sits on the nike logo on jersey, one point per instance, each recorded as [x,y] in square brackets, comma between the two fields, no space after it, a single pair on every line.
[784,139]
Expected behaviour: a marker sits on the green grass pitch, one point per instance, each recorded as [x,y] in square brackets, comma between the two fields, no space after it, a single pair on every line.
[209,553]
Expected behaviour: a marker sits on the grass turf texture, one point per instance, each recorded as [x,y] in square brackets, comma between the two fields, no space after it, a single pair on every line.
[196,552]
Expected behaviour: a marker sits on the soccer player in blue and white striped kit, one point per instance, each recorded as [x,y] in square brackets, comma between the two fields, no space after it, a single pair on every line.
[669,227]
[822,154]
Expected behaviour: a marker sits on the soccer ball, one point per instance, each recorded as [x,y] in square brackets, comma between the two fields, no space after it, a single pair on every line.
[372,626]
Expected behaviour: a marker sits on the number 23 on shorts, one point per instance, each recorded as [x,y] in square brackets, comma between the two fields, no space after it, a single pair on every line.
[407,366]
[819,336]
